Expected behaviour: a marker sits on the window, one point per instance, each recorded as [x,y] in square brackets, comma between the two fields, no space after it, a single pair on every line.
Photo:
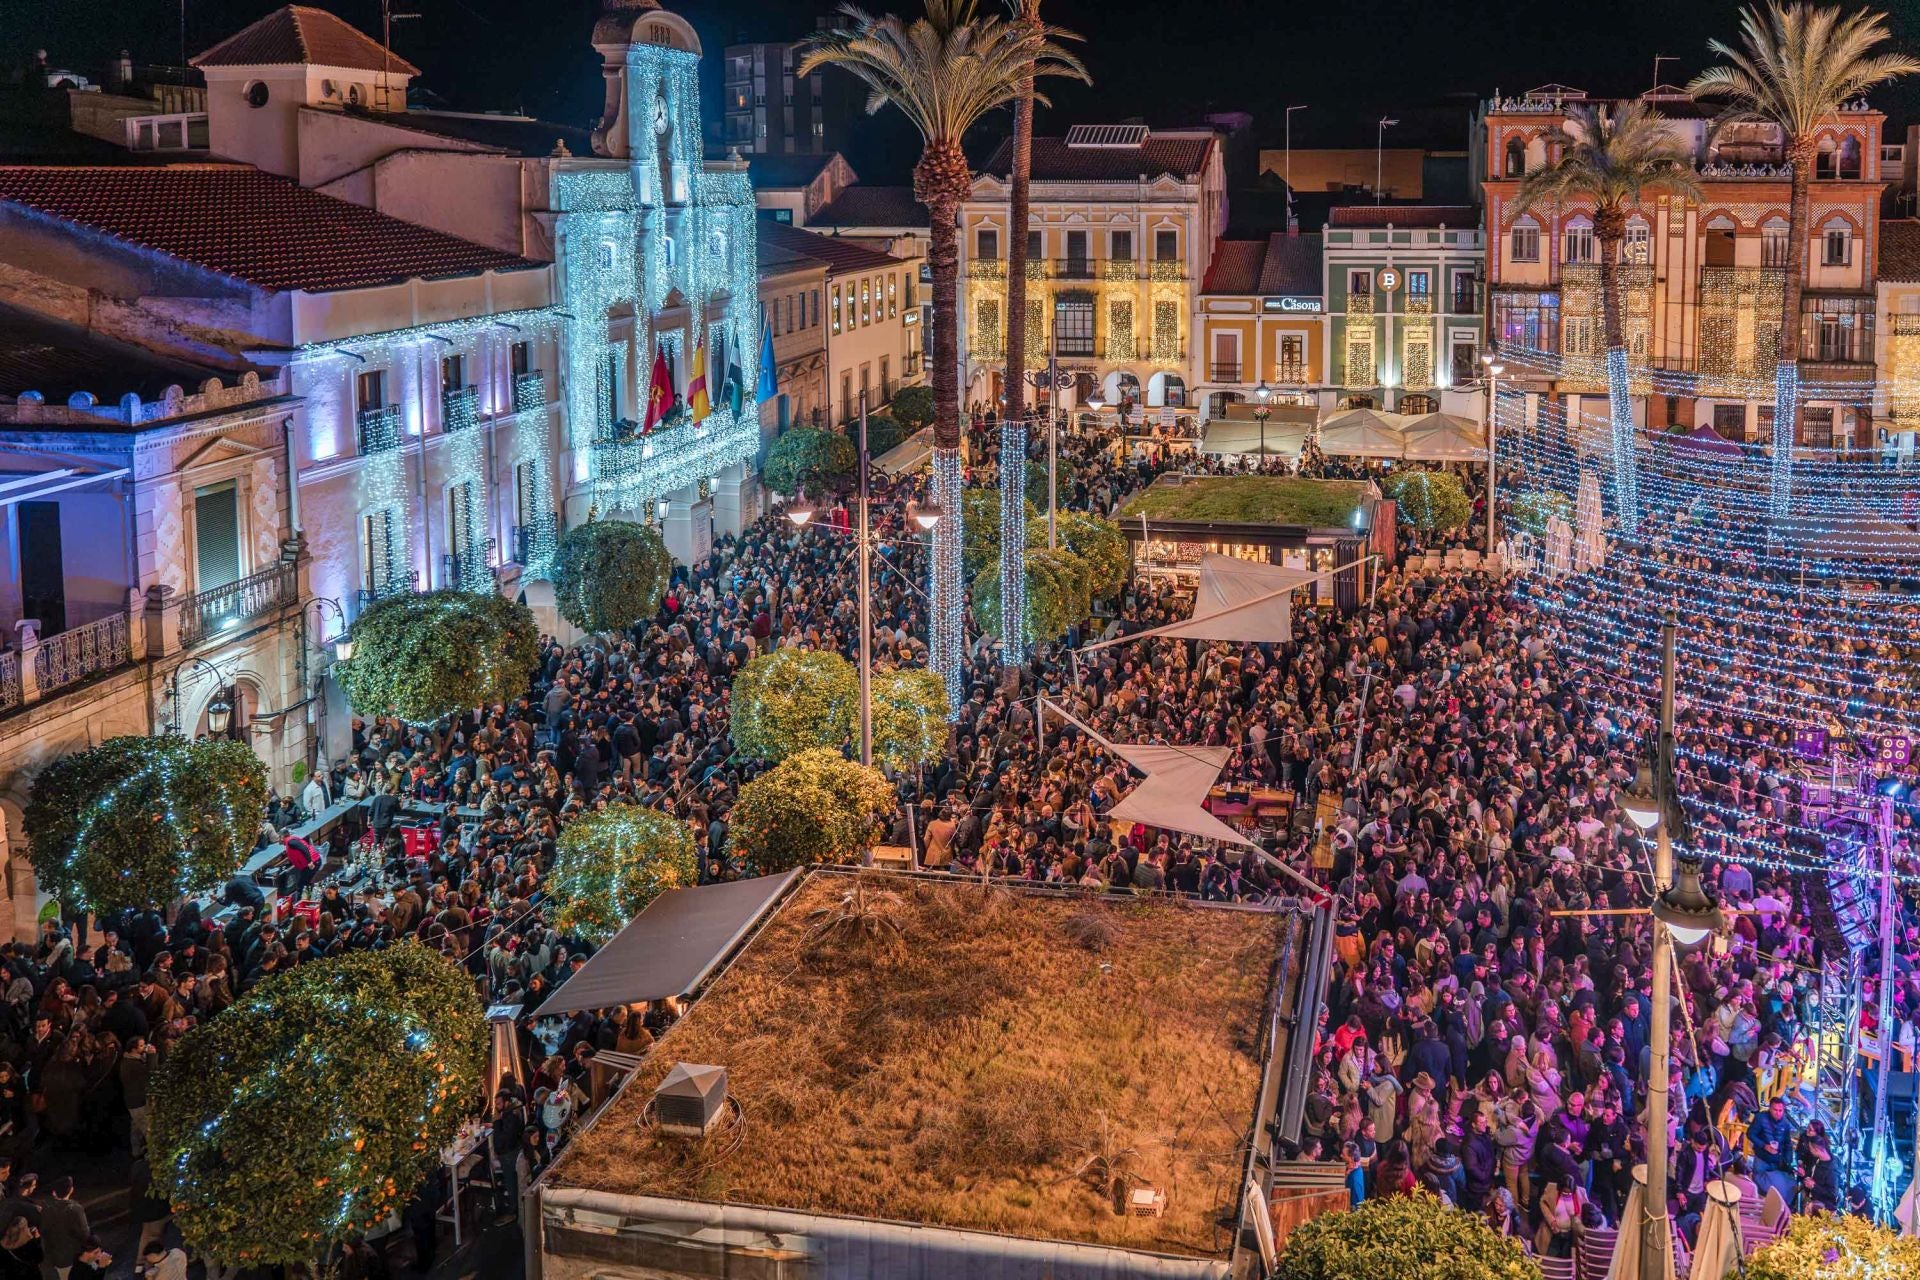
[43,573]
[1466,294]
[380,552]
[1466,365]
[886,378]
[1773,244]
[370,390]
[846,396]
[1836,247]
[1360,283]
[866,302]
[1850,157]
[1516,165]
[463,524]
[1036,245]
[1837,329]
[1073,324]
[453,373]
[216,536]
[522,357]
[836,308]
[1576,245]
[893,295]
[1293,358]
[1816,427]
[1639,243]
[814,319]
[1524,245]
[1166,246]
[610,387]
[1527,320]
[1120,246]
[1730,422]
[1420,284]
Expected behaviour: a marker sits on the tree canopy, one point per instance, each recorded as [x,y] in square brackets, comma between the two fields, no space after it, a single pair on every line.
[610,574]
[425,657]
[809,458]
[792,700]
[1430,501]
[308,1112]
[1412,1237]
[816,806]
[141,821]
[610,863]
[913,407]
[909,717]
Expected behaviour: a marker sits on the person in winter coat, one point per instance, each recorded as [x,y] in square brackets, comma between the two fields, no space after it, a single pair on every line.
[1444,1175]
[1480,1163]
[1519,1126]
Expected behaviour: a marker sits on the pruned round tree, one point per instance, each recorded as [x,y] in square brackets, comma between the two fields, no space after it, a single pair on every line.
[913,406]
[309,1111]
[1097,541]
[609,864]
[1826,1247]
[139,822]
[1411,1237]
[425,657]
[610,574]
[817,806]
[1430,501]
[808,458]
[909,717]
[885,434]
[1059,594]
[792,700]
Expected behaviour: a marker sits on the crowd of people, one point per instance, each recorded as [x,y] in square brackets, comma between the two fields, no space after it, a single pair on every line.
[1482,1037]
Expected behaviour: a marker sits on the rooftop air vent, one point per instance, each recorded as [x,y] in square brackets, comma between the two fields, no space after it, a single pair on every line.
[689,1101]
[1106,135]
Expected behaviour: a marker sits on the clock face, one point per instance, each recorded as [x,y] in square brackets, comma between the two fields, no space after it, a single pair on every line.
[660,116]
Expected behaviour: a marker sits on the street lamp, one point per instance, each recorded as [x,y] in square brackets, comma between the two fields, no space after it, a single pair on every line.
[800,510]
[219,711]
[925,514]
[343,639]
[1053,382]
[1494,370]
[1380,155]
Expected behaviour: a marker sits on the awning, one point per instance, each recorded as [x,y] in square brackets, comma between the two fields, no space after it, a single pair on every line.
[1281,435]
[1173,794]
[670,948]
[909,455]
[1237,600]
[1364,433]
[1444,437]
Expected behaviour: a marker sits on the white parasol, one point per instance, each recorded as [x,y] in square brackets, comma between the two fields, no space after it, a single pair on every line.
[1590,551]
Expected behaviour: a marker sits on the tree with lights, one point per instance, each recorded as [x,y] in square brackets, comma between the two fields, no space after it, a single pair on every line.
[1097,541]
[610,574]
[140,822]
[1824,1246]
[610,863]
[308,1112]
[816,806]
[944,71]
[1406,1237]
[808,458]
[909,717]
[1796,66]
[913,406]
[1609,161]
[425,658]
[1430,501]
[1059,594]
[792,700]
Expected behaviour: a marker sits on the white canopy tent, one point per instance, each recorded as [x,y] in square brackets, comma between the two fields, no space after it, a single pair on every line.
[1364,433]
[1237,600]
[1233,436]
[1445,437]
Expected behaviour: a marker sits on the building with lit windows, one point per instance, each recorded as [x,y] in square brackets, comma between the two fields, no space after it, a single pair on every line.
[1124,220]
[1896,407]
[1703,279]
[1263,322]
[1403,306]
[768,110]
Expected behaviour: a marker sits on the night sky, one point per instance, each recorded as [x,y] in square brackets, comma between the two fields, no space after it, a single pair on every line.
[1350,61]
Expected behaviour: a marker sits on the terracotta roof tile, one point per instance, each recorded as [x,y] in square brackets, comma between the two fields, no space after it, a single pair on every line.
[1235,268]
[1182,156]
[1293,266]
[860,206]
[840,255]
[247,224]
[1900,251]
[300,36]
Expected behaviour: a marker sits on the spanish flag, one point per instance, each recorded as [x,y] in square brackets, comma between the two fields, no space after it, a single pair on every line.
[697,384]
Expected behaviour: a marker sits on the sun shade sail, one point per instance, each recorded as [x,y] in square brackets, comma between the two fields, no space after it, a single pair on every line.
[670,948]
[1237,600]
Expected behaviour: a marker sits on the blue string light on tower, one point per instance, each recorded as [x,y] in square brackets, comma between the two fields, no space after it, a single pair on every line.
[1013,540]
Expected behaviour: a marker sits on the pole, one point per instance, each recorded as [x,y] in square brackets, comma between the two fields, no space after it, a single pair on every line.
[866,598]
[1656,1236]
[1053,450]
[183,33]
[1880,1193]
[1493,400]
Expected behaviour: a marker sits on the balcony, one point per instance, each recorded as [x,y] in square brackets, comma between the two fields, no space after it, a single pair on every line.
[1291,373]
[987,269]
[459,408]
[1073,269]
[378,429]
[529,392]
[470,569]
[227,608]
[77,653]
[1120,269]
[9,681]
[1224,373]
[1166,271]
[528,536]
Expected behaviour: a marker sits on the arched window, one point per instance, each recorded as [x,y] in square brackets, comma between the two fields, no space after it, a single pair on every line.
[1516,158]
[1826,161]
[1850,157]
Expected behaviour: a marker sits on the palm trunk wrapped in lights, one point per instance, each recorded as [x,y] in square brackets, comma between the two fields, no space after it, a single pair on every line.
[940,181]
[1013,428]
[1786,374]
[1609,230]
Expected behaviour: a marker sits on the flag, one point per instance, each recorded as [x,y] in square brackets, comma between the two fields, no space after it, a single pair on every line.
[769,383]
[736,386]
[697,384]
[659,390]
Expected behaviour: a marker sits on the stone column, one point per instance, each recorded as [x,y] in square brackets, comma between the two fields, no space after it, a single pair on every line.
[136,624]
[688,526]
[29,629]
[736,500]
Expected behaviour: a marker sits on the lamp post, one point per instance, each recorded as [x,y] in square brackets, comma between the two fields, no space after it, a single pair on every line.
[1380,155]
[1262,411]
[1683,917]
[1053,382]
[926,515]
[1289,162]
[343,640]
[219,711]
[1494,370]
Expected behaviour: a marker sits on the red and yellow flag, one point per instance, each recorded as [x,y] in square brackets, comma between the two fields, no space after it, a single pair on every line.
[697,384]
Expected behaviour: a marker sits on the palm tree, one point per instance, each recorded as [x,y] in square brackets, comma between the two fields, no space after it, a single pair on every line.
[1795,67]
[1013,436]
[944,71]
[1611,160]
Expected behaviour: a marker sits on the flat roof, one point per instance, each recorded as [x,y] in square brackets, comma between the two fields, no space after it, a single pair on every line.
[57,360]
[1249,500]
[959,1074]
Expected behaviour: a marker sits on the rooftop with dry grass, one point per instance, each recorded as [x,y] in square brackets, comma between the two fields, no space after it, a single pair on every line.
[929,1051]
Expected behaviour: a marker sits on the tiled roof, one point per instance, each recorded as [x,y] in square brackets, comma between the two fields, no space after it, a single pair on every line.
[248,225]
[860,206]
[516,135]
[841,256]
[38,354]
[1235,268]
[784,172]
[1293,265]
[1900,251]
[1183,156]
[1461,216]
[300,36]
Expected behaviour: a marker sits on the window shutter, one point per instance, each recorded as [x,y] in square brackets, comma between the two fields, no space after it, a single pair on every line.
[216,522]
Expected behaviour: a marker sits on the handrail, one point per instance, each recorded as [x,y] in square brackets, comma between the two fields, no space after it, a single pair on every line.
[227,606]
[79,652]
